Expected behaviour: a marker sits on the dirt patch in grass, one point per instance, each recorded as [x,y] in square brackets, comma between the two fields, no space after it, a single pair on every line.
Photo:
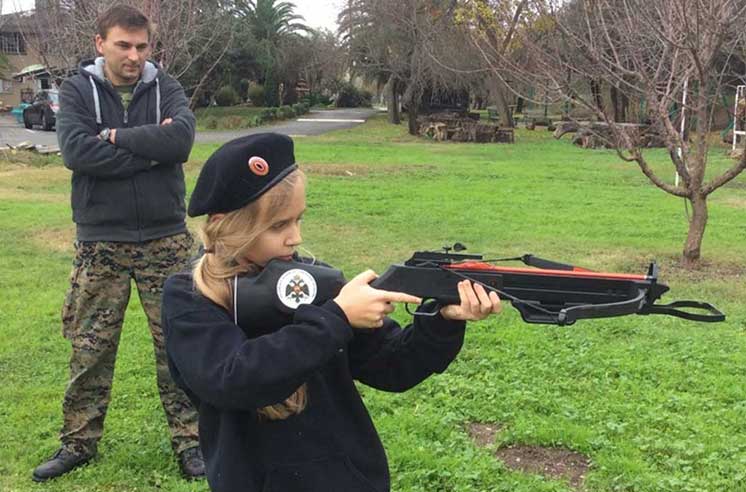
[707,269]
[671,266]
[555,463]
[483,434]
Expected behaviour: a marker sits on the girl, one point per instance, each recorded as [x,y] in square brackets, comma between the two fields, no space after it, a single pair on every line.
[278,406]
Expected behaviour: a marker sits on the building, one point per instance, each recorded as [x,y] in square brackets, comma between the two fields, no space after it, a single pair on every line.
[25,74]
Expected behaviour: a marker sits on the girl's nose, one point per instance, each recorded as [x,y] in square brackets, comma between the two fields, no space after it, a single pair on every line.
[295,237]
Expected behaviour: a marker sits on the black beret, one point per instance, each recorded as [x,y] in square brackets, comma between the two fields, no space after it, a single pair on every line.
[240,171]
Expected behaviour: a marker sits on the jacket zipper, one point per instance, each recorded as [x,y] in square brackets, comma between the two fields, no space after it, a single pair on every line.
[125,121]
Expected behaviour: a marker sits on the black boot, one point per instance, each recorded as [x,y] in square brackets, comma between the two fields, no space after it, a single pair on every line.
[62,462]
[192,464]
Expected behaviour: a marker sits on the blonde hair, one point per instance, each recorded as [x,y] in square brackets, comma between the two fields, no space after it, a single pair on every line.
[228,240]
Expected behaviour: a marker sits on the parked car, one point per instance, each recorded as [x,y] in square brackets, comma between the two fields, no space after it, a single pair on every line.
[43,110]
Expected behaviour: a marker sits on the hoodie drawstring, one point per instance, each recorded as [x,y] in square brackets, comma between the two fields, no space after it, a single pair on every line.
[96,102]
[157,101]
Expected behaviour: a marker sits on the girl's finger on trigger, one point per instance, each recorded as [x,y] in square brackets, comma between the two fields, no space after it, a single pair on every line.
[389,296]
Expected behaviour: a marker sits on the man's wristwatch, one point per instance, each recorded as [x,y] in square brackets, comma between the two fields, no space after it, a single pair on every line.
[105,134]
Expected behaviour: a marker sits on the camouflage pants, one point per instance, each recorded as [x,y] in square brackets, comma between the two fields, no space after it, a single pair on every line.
[92,318]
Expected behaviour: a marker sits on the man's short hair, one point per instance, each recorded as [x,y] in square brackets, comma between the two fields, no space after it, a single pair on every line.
[124,16]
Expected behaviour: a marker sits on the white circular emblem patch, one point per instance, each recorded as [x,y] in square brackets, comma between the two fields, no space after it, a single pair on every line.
[296,287]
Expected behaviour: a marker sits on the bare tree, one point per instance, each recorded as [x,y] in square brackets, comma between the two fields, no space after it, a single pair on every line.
[414,46]
[665,53]
[492,26]
[323,62]
[185,31]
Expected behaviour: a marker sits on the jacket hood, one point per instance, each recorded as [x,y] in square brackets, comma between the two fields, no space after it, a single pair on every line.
[95,67]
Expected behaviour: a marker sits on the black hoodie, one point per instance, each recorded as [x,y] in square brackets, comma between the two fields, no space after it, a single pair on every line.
[133,191]
[331,446]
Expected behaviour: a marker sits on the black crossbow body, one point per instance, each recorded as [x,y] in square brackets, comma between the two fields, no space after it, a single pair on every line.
[550,293]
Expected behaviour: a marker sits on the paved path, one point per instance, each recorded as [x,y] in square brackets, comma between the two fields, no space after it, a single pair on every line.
[316,122]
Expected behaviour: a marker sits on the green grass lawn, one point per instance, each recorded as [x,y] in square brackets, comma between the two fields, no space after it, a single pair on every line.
[656,403]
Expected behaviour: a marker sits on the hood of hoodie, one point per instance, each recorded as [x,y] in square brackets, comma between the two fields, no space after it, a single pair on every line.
[95,68]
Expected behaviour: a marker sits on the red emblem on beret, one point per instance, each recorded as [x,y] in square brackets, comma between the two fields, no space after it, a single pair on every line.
[258,166]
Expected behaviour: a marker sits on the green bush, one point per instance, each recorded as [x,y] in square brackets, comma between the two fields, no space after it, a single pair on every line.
[210,123]
[351,97]
[300,108]
[316,99]
[232,122]
[268,114]
[243,91]
[256,95]
[226,96]
[286,112]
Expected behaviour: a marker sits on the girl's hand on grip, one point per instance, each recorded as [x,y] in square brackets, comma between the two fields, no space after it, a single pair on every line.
[475,305]
[366,307]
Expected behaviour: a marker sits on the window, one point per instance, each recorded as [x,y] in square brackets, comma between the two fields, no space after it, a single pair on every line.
[6,86]
[12,43]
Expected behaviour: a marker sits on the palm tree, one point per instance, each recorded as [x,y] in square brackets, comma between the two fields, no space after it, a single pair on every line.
[271,20]
[272,23]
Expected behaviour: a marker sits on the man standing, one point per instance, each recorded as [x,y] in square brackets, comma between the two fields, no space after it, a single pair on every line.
[124,128]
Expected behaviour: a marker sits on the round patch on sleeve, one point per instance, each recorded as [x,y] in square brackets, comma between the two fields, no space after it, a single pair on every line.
[296,287]
[258,166]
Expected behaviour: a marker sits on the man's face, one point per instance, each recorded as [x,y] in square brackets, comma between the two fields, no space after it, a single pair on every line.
[125,53]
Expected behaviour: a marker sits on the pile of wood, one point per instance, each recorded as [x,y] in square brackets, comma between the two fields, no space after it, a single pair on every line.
[462,128]
[592,135]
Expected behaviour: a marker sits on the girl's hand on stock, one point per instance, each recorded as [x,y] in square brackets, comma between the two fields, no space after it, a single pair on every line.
[475,305]
[364,306]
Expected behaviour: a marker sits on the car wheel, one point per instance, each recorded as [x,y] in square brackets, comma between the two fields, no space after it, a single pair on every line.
[45,123]
[26,122]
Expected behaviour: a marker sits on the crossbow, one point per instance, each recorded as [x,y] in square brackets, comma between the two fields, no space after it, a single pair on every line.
[550,292]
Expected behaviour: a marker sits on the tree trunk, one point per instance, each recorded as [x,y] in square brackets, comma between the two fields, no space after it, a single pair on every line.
[614,103]
[503,109]
[597,97]
[412,117]
[519,105]
[697,226]
[392,101]
[412,103]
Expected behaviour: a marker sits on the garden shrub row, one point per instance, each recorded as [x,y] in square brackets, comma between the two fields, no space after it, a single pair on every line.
[267,115]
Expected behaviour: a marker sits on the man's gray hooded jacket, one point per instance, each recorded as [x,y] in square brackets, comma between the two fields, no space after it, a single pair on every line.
[132,191]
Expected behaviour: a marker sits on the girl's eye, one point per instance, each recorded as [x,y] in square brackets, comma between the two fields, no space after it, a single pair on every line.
[278,225]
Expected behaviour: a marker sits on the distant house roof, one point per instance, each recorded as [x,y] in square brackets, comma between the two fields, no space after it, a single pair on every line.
[31,71]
